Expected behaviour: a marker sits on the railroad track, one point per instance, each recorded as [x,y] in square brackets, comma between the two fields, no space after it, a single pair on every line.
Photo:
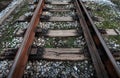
[45,39]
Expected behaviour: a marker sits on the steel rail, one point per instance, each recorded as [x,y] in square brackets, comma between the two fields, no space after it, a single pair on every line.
[100,54]
[22,55]
[109,61]
[99,67]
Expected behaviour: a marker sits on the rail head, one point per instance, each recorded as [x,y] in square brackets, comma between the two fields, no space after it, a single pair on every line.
[102,44]
[99,67]
[22,55]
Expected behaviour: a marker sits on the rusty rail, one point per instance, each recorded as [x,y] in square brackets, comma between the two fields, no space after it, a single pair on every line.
[101,56]
[21,58]
[107,58]
[100,70]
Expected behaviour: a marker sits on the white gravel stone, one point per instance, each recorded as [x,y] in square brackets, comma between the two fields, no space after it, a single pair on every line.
[61,69]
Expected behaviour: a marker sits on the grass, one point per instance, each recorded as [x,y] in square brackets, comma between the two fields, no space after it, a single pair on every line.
[108,13]
[22,11]
[9,28]
[115,38]
[110,16]
[117,2]
[67,44]
[4,0]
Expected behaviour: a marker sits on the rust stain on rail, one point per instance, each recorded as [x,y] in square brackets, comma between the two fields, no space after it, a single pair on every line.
[99,67]
[105,54]
[21,58]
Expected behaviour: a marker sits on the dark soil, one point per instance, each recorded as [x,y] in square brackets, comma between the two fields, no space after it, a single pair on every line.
[4,4]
